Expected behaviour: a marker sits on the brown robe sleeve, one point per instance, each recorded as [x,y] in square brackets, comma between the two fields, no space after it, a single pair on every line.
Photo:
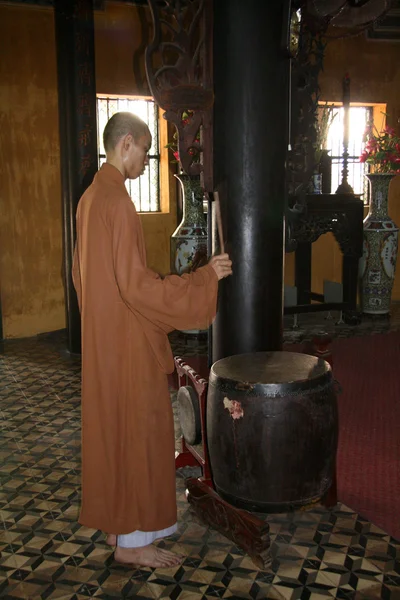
[174,302]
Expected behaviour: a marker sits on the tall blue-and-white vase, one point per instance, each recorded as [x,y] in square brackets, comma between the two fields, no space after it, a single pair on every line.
[189,240]
[378,264]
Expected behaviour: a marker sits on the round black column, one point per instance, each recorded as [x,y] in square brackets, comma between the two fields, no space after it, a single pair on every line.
[74,28]
[251,75]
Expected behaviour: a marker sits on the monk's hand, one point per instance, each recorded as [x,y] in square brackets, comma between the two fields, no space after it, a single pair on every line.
[222,265]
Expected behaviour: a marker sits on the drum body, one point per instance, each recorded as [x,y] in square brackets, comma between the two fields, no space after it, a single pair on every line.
[272,429]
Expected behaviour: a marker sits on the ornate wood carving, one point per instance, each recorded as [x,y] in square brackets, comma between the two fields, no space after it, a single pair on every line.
[304,103]
[179,72]
[304,96]
[200,384]
[248,532]
[310,228]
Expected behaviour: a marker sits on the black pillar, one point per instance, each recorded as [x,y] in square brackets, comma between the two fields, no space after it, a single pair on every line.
[74,27]
[251,74]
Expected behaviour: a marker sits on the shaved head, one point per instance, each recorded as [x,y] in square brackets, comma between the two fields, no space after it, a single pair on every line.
[120,125]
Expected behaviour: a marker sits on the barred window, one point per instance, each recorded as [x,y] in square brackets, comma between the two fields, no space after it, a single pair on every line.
[145,190]
[359,116]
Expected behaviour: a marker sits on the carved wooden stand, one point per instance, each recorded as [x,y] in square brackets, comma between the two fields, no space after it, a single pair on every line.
[248,532]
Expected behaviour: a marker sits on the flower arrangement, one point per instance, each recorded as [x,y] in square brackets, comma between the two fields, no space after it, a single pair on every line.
[187,118]
[382,149]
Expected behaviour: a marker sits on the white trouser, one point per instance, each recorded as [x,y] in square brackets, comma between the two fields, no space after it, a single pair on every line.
[137,539]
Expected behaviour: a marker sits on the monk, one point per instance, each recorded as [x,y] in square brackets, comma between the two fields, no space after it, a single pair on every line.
[127,311]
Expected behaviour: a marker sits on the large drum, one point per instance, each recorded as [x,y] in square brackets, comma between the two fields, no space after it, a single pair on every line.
[272,429]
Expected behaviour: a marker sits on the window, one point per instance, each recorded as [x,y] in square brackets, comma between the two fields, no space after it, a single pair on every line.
[358,119]
[145,190]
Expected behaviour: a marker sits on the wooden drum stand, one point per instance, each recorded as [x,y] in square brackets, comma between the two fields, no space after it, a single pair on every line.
[244,529]
[247,531]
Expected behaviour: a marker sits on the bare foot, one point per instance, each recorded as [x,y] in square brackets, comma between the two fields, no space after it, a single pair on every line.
[147,556]
[111,539]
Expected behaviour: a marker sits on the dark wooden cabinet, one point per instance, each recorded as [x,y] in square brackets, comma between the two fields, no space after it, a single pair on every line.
[341,214]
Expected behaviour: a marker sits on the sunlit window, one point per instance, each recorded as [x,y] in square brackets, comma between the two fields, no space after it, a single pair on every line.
[358,118]
[145,190]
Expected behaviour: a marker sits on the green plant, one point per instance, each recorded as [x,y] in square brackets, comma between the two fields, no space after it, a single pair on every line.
[326,114]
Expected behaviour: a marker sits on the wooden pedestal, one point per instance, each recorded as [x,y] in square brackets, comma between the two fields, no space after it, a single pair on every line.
[244,529]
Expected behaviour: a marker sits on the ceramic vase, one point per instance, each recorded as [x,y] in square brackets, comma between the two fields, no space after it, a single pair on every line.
[378,264]
[189,240]
[316,183]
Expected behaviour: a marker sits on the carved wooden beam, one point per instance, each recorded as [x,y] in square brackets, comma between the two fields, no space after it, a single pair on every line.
[179,72]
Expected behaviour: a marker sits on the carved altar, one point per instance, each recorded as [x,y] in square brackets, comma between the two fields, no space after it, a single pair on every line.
[341,214]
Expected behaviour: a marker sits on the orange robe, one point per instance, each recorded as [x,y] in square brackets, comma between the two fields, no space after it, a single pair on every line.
[127,310]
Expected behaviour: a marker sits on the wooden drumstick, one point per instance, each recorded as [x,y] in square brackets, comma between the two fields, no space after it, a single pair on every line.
[218,218]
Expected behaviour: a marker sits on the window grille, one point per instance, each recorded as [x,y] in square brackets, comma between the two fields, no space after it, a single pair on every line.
[145,190]
[358,118]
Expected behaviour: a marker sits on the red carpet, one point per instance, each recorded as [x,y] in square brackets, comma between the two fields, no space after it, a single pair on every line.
[368,369]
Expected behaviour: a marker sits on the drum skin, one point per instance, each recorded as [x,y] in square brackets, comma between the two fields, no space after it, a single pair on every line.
[189,414]
[272,429]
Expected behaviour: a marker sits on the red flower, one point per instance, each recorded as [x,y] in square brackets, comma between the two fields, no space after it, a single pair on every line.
[382,149]
[389,130]
[187,117]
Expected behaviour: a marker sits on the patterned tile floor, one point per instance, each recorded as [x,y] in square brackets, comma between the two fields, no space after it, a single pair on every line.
[46,554]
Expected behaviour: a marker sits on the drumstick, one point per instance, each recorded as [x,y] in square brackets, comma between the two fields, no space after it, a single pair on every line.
[218,218]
